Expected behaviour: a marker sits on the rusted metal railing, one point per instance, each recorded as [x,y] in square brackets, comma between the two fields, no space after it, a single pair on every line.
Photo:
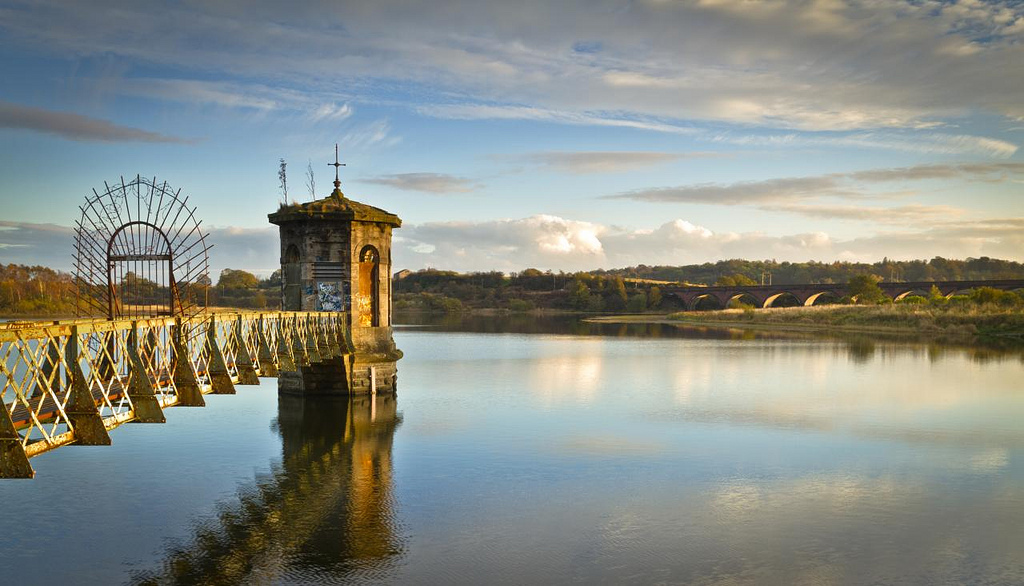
[71,382]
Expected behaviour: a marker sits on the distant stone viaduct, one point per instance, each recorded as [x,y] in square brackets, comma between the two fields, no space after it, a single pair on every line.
[808,294]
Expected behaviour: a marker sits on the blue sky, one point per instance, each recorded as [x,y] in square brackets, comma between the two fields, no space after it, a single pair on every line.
[569,135]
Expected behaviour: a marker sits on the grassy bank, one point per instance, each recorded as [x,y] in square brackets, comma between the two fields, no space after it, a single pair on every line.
[951,320]
[965,320]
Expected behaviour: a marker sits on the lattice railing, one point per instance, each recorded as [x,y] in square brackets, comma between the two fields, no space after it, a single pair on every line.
[72,381]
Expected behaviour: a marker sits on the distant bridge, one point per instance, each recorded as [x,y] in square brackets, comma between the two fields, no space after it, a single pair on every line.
[808,294]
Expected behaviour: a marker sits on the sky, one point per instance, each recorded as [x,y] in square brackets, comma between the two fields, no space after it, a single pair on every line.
[563,135]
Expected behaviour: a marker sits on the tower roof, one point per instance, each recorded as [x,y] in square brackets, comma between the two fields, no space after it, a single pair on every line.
[334,207]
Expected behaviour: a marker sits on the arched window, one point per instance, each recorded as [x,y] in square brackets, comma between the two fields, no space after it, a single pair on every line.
[369,287]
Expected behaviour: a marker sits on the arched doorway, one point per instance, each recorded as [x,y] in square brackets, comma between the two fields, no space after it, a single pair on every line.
[140,272]
[291,287]
[369,287]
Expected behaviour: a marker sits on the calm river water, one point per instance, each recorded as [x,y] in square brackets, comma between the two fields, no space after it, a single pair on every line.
[526,452]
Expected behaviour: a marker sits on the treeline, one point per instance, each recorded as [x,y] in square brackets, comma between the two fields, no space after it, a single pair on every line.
[636,289]
[35,290]
[237,288]
[781,273]
[41,291]
[433,290]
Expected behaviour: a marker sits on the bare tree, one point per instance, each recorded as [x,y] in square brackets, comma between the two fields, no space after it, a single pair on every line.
[283,177]
[310,181]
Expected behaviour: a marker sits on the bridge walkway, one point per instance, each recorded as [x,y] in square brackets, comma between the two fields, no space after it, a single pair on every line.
[71,382]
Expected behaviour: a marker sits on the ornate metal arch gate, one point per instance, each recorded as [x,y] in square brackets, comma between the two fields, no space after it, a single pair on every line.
[139,252]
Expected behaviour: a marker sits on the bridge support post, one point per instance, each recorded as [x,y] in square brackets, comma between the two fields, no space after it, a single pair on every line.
[81,409]
[298,344]
[190,394]
[220,377]
[243,360]
[331,339]
[145,404]
[285,360]
[268,360]
[13,459]
[347,351]
[312,340]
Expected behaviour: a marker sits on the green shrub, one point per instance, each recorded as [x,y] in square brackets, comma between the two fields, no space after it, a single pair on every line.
[959,300]
[984,295]
[520,305]
[865,288]
[737,304]
[913,300]
[637,303]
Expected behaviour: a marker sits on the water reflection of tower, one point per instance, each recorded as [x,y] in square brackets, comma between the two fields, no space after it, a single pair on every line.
[326,514]
[356,434]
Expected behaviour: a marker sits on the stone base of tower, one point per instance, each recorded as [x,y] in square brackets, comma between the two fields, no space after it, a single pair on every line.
[371,369]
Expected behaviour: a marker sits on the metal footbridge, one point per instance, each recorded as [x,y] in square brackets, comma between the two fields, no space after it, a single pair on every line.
[71,382]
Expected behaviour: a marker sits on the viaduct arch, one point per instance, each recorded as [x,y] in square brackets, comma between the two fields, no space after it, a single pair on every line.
[808,294]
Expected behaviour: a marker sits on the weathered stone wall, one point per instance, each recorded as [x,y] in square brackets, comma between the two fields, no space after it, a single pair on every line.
[329,378]
[328,257]
[378,236]
[384,373]
[325,265]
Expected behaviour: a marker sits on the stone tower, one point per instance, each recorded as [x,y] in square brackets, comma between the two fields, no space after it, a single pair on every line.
[336,256]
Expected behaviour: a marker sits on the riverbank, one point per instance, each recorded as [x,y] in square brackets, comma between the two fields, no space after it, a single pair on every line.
[969,321]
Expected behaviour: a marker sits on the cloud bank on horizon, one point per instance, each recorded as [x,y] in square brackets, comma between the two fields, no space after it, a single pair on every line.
[554,243]
[568,135]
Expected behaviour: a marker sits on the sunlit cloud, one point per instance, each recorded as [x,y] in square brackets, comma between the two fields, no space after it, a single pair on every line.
[587,162]
[512,112]
[427,182]
[840,185]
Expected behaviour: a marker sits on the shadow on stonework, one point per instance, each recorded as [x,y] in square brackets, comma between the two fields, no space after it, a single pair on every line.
[326,514]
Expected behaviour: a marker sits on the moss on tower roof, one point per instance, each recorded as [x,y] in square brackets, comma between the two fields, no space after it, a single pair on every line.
[333,207]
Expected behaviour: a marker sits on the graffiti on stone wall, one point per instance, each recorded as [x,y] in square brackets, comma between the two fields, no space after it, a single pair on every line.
[364,308]
[329,297]
[309,297]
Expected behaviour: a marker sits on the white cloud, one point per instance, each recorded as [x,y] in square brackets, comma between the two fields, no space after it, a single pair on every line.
[511,112]
[427,182]
[331,112]
[374,133]
[929,142]
[744,192]
[551,242]
[841,185]
[586,162]
[904,215]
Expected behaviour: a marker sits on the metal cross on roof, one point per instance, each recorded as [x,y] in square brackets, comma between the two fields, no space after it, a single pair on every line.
[336,164]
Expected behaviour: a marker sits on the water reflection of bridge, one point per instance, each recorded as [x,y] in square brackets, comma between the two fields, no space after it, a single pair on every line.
[808,294]
[326,513]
